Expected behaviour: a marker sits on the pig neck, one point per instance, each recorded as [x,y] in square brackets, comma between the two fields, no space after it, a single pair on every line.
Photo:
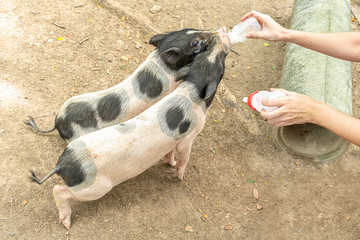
[167,71]
[153,63]
[190,90]
[195,84]
[207,68]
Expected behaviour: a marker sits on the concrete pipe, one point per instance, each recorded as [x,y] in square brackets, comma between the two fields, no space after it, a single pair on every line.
[319,76]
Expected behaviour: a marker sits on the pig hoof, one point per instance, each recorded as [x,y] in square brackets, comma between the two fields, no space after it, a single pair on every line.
[169,161]
[172,163]
[66,221]
[181,174]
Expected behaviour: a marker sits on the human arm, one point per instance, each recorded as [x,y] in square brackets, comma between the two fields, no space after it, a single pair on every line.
[296,108]
[344,45]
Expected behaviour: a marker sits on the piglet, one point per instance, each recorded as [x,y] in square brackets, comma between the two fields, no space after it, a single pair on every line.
[151,81]
[94,163]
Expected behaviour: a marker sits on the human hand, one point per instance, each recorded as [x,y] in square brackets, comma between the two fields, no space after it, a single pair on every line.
[270,30]
[294,108]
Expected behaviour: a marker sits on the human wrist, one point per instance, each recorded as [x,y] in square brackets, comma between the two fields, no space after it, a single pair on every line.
[315,113]
[287,35]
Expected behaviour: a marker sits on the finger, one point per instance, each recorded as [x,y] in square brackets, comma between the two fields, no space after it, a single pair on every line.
[256,34]
[253,13]
[276,102]
[288,93]
[264,114]
[270,116]
[282,123]
[277,121]
[247,15]
[272,119]
[286,120]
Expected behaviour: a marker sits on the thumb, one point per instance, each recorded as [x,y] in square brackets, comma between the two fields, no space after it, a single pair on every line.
[287,93]
[255,34]
[264,113]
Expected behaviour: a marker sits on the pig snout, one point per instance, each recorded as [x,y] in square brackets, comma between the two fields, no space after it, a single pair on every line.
[225,39]
[224,35]
[221,30]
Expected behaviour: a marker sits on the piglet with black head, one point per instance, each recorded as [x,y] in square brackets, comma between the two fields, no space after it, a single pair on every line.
[93,164]
[156,77]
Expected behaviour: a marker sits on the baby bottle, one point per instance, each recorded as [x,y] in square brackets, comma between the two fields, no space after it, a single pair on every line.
[237,34]
[255,100]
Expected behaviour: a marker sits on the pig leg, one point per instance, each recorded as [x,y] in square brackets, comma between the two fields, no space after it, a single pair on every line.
[183,148]
[63,194]
[170,158]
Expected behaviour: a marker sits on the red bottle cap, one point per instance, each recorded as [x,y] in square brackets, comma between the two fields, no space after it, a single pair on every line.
[249,100]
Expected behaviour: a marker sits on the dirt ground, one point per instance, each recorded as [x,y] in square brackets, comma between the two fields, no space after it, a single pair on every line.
[52,50]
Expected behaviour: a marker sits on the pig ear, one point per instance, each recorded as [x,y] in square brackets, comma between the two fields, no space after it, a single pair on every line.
[182,73]
[156,39]
[171,56]
[209,90]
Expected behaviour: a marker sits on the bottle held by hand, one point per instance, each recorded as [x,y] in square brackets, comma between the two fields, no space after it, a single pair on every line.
[238,33]
[255,100]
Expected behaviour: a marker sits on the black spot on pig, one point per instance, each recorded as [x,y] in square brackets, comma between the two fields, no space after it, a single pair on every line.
[76,166]
[174,116]
[70,169]
[83,114]
[126,127]
[184,126]
[64,128]
[149,84]
[109,107]
[80,113]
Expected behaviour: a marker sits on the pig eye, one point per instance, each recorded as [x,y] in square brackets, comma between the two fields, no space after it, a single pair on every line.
[197,44]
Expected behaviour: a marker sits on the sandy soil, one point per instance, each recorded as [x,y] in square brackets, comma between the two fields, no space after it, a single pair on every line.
[52,50]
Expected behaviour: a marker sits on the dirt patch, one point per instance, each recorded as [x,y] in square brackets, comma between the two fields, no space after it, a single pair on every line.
[51,51]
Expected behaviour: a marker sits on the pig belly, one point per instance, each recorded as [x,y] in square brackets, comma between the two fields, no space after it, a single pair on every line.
[124,156]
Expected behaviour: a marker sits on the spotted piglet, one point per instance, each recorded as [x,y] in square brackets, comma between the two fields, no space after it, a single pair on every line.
[151,81]
[94,163]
